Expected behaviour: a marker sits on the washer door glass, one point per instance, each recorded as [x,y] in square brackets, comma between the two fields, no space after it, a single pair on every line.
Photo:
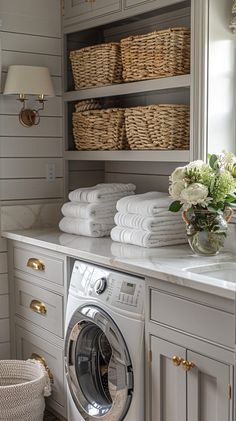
[98,366]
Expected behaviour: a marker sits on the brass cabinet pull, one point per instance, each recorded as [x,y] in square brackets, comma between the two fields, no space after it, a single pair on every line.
[187,365]
[177,360]
[38,307]
[35,264]
[42,360]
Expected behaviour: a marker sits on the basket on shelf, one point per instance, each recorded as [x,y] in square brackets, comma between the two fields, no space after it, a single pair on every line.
[98,65]
[156,54]
[88,104]
[162,126]
[100,129]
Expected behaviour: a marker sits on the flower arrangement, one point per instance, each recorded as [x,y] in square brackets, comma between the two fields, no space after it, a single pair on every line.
[209,186]
[206,193]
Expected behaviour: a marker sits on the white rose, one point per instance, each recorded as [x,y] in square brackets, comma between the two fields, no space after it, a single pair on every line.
[176,189]
[194,194]
[178,174]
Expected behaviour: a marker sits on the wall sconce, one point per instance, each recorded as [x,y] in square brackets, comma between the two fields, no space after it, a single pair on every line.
[29,80]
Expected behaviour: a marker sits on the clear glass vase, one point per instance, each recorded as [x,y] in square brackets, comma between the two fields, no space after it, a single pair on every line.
[207,230]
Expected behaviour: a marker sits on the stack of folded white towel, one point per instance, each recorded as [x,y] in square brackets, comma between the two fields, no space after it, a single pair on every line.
[145,220]
[91,210]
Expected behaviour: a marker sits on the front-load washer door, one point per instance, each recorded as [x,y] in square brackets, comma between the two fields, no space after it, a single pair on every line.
[98,366]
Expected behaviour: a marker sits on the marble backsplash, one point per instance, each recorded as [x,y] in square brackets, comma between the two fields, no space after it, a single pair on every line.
[30,216]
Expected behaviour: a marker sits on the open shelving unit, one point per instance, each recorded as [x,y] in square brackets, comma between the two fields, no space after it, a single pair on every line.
[148,169]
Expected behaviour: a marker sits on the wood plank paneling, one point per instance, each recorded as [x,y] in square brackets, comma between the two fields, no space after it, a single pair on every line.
[3,244]
[4,306]
[29,168]
[4,330]
[4,351]
[31,44]
[3,262]
[48,127]
[26,189]
[31,17]
[143,182]
[4,284]
[30,147]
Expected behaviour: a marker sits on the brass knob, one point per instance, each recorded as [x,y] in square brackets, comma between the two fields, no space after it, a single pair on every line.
[35,264]
[38,307]
[187,365]
[177,360]
[42,361]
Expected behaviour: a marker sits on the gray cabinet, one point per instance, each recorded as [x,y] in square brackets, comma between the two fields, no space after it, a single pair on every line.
[208,389]
[187,386]
[76,11]
[168,383]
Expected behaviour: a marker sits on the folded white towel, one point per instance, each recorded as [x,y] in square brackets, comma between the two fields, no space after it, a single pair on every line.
[87,227]
[147,204]
[89,210]
[101,192]
[146,238]
[169,223]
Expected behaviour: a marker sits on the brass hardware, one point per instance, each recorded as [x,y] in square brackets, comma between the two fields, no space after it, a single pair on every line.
[187,365]
[177,361]
[38,307]
[90,1]
[35,264]
[229,392]
[42,360]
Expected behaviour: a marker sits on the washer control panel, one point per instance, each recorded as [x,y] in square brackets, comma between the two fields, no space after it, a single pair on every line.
[113,288]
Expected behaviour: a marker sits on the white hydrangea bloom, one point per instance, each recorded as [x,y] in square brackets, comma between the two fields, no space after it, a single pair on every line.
[195,164]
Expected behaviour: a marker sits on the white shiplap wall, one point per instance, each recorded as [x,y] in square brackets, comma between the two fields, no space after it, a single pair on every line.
[30,34]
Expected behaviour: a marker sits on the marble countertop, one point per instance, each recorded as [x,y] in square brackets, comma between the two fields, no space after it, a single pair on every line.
[165,263]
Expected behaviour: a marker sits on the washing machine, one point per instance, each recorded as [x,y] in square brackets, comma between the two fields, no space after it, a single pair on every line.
[104,345]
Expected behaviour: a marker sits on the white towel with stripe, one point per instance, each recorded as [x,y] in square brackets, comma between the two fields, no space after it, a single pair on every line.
[146,238]
[87,227]
[101,192]
[147,204]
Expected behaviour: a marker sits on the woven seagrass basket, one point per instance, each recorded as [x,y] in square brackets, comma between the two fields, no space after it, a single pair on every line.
[163,126]
[98,65]
[99,129]
[156,54]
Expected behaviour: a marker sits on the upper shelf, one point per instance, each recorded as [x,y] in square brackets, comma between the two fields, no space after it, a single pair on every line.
[142,155]
[143,86]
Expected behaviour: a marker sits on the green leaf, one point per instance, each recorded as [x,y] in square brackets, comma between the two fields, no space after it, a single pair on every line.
[213,162]
[175,206]
[230,198]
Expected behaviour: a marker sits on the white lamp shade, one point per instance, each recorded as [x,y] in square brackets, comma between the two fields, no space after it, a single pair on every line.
[31,80]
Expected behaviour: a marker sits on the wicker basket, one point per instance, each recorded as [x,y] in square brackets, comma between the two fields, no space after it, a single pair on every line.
[157,54]
[23,385]
[100,129]
[163,126]
[98,65]
[87,104]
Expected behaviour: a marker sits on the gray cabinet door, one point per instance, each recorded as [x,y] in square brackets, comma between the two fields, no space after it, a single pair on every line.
[80,10]
[167,382]
[208,389]
[133,3]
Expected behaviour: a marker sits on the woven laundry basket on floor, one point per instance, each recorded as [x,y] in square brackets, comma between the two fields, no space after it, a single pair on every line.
[23,386]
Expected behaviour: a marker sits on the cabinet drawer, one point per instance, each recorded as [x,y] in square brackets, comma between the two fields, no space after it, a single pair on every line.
[193,318]
[39,306]
[39,264]
[27,344]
